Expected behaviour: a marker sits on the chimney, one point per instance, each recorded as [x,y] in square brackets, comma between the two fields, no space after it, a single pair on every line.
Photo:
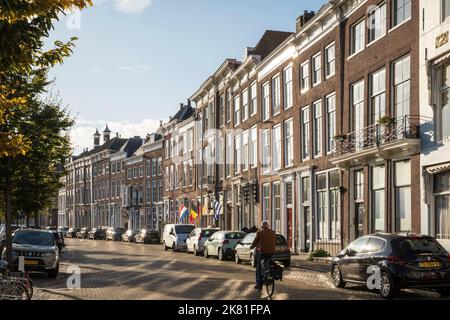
[160,123]
[304,18]
[247,51]
[96,139]
[181,106]
[106,134]
[117,134]
[189,103]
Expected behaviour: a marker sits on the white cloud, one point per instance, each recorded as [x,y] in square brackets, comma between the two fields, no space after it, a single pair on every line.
[126,6]
[82,133]
[124,68]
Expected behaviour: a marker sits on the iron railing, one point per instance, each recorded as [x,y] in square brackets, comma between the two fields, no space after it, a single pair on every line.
[377,135]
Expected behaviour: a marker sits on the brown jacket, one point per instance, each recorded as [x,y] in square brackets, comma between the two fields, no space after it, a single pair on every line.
[264,241]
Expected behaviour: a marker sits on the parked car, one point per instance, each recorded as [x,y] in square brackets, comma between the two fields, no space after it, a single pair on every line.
[130,235]
[72,232]
[405,261]
[98,233]
[51,228]
[83,233]
[39,249]
[222,244]
[197,238]
[114,234]
[64,230]
[59,239]
[148,236]
[244,253]
[175,235]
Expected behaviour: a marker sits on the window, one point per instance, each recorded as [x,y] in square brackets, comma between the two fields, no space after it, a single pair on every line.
[322,208]
[378,198]
[359,185]
[237,110]
[254,147]
[317,109]
[288,143]
[135,173]
[167,178]
[357,109]
[159,166]
[401,11]
[445,9]
[221,110]
[265,101]
[287,88]
[253,102]
[245,150]
[305,190]
[276,156]
[335,204]
[276,98]
[330,60]
[141,171]
[266,201]
[237,154]
[402,87]
[147,167]
[377,23]
[276,202]
[229,154]
[266,150]
[403,196]
[442,205]
[305,133]
[228,106]
[331,121]
[129,173]
[378,95]
[304,76]
[244,105]
[317,69]
[154,196]
[443,111]
[358,37]
[148,192]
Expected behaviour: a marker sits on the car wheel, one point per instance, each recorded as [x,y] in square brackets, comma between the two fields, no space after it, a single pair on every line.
[252,261]
[220,254]
[53,273]
[337,277]
[236,258]
[388,289]
[173,247]
[164,246]
[444,292]
[205,252]
[287,263]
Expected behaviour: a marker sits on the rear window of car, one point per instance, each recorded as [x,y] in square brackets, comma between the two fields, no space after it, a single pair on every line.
[184,229]
[208,233]
[235,235]
[417,246]
[281,240]
[375,245]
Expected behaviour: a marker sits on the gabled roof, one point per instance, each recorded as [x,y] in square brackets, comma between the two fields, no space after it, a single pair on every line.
[270,40]
[182,114]
[131,146]
[113,144]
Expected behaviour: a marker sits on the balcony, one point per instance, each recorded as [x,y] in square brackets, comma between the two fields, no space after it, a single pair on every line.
[393,138]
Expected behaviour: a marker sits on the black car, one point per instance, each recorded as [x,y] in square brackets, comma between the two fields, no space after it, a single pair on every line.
[403,261]
[72,233]
[147,236]
[59,239]
[97,234]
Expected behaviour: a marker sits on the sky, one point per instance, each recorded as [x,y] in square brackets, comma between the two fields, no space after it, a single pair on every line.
[136,60]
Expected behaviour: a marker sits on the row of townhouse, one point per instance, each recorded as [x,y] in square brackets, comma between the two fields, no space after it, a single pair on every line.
[333,131]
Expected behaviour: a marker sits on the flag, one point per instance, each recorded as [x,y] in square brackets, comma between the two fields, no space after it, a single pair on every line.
[193,214]
[217,210]
[182,212]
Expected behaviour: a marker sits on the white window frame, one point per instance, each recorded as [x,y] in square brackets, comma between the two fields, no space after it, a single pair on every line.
[245,105]
[265,101]
[304,77]
[237,110]
[316,69]
[288,143]
[377,23]
[330,60]
[254,98]
[276,95]
[254,146]
[288,88]
[331,121]
[276,147]
[354,50]
[395,9]
[318,127]
[305,133]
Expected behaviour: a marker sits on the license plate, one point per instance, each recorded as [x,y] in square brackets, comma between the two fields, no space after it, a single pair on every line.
[31,262]
[430,264]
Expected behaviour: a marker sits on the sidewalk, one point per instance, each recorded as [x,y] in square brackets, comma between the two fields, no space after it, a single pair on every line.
[319,264]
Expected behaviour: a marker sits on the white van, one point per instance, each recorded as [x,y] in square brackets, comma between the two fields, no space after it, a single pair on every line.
[175,235]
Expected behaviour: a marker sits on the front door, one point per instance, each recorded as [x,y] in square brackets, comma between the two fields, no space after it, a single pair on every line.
[290,234]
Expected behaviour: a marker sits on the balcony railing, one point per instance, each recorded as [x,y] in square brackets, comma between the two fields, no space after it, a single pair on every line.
[377,135]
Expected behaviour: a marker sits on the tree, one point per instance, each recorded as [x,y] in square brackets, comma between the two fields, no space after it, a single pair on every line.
[23,26]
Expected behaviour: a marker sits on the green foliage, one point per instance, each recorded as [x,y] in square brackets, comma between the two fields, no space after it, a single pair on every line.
[318,254]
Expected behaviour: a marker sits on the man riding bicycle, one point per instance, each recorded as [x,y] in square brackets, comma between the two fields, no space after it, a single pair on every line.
[264,245]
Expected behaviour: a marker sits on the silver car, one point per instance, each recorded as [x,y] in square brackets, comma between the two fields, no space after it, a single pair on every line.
[39,250]
[197,239]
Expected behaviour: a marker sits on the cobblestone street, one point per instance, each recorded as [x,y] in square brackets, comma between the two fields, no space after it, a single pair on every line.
[119,271]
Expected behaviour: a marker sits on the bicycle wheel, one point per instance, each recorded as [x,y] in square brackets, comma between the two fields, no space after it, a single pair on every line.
[11,290]
[270,284]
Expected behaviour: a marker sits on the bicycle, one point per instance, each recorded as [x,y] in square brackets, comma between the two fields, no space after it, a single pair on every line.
[271,271]
[14,285]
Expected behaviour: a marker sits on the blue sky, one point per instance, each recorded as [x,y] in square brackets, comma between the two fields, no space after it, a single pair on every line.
[136,60]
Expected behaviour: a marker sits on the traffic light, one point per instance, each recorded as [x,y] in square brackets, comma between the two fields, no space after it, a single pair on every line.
[255,192]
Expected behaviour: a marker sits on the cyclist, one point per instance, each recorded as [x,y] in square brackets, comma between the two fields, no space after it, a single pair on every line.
[264,245]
